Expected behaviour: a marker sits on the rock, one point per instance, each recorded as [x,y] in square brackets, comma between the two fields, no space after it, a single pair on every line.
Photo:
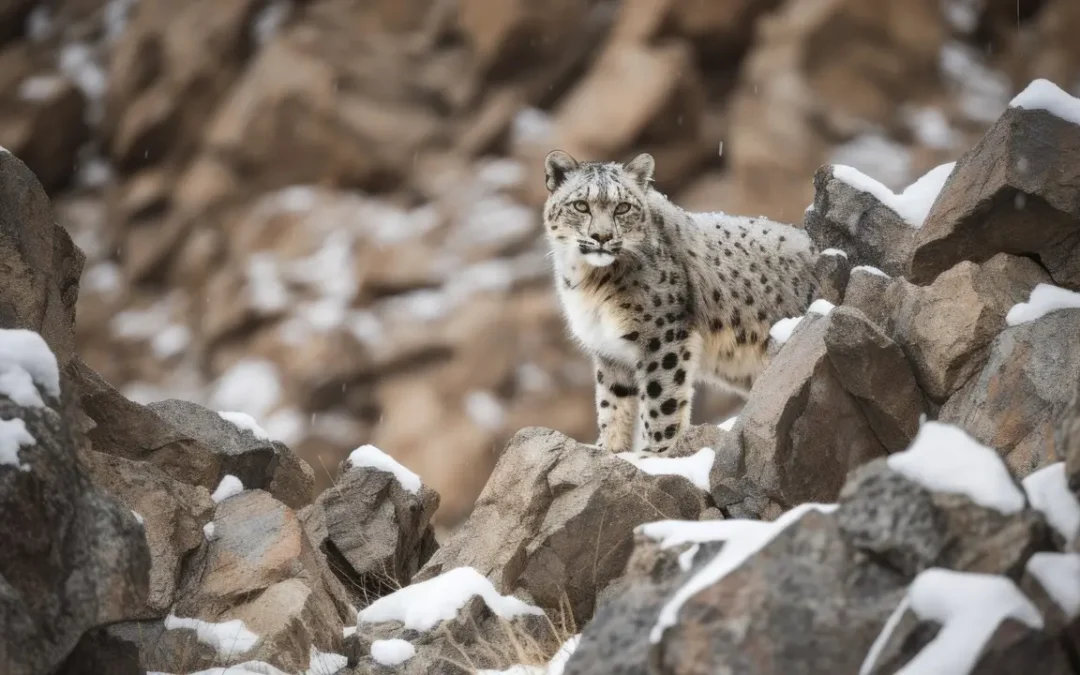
[1027,382]
[39,264]
[946,328]
[1015,192]
[102,650]
[832,272]
[376,533]
[548,507]
[791,449]
[855,222]
[173,516]
[73,558]
[1067,440]
[12,16]
[504,33]
[252,457]
[874,370]
[866,292]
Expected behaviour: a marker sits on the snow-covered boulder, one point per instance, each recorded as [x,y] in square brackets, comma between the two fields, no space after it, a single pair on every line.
[1017,191]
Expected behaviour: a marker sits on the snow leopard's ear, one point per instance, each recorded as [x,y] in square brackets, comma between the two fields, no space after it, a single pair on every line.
[556,165]
[641,169]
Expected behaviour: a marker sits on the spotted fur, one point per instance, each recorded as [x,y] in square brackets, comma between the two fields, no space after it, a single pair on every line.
[662,298]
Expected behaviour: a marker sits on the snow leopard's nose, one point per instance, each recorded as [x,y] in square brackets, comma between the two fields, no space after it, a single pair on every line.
[602,237]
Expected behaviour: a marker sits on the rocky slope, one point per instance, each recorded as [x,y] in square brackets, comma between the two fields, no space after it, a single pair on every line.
[899,493]
[266,187]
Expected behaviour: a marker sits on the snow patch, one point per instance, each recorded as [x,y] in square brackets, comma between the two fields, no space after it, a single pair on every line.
[671,533]
[392,652]
[138,518]
[26,360]
[1044,299]
[1059,575]
[729,423]
[251,386]
[424,605]
[1045,95]
[944,458]
[13,435]
[743,539]
[371,457]
[983,91]
[558,662]
[820,307]
[694,468]
[245,422]
[877,155]
[485,410]
[170,341]
[931,128]
[913,204]
[870,270]
[208,531]
[686,558]
[969,608]
[325,663]
[37,88]
[834,251]
[1048,491]
[781,330]
[230,639]
[230,486]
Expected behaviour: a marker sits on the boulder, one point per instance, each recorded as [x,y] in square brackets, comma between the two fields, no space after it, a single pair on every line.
[1026,384]
[554,507]
[73,558]
[866,292]
[1014,192]
[832,271]
[946,328]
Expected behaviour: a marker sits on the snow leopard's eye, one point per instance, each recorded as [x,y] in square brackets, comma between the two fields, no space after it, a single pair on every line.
[581,205]
[621,208]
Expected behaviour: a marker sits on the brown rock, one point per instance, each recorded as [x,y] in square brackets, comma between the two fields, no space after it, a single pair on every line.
[1015,192]
[548,507]
[866,292]
[946,328]
[832,272]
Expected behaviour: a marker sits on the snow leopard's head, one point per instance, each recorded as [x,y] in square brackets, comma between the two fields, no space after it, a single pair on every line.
[596,210]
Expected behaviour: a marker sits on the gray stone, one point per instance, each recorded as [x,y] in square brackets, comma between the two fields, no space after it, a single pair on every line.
[832,273]
[866,292]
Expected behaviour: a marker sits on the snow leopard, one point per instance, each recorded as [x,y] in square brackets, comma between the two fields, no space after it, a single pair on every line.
[662,298]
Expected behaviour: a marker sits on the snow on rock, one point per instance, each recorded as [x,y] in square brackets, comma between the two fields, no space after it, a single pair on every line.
[820,307]
[13,435]
[694,468]
[138,517]
[515,670]
[208,531]
[229,486]
[246,668]
[969,608]
[252,386]
[1048,491]
[371,457]
[944,458]
[869,270]
[26,360]
[743,538]
[781,330]
[558,662]
[392,652]
[1059,575]
[727,424]
[1045,95]
[670,533]
[833,251]
[1044,299]
[325,663]
[424,605]
[913,204]
[230,639]
[686,558]
[245,422]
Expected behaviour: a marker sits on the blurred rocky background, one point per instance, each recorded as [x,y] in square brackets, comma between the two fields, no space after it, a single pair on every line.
[324,213]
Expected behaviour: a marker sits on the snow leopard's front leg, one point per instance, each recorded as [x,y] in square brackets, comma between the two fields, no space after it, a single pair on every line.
[665,381]
[616,405]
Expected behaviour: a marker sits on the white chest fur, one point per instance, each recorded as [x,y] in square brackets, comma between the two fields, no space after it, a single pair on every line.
[597,327]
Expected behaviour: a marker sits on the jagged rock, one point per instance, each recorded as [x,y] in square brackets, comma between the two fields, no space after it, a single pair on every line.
[376,532]
[832,272]
[257,461]
[866,292]
[854,221]
[73,558]
[800,431]
[1015,192]
[874,370]
[1028,380]
[946,328]
[39,264]
[547,509]
[172,512]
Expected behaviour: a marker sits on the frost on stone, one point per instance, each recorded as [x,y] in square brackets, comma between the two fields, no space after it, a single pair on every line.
[371,457]
[230,639]
[869,270]
[1048,491]
[230,486]
[27,363]
[742,539]
[245,422]
[13,436]
[913,204]
[969,607]
[781,330]
[1044,299]
[944,458]
[1059,575]
[392,652]
[424,605]
[1045,95]
[694,468]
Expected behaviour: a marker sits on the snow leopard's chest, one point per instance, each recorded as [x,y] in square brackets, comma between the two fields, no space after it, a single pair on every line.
[600,327]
